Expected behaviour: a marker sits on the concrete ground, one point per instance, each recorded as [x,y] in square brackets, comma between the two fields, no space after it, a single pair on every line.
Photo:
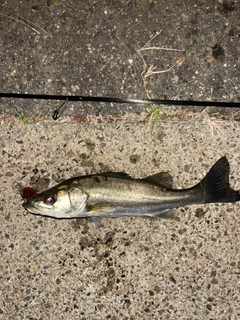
[130,268]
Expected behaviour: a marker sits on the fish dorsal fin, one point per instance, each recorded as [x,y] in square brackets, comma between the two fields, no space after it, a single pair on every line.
[162,179]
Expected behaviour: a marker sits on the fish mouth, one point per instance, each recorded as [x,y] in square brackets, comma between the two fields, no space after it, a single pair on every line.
[29,206]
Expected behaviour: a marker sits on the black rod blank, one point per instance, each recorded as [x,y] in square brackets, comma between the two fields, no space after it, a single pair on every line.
[120,100]
[67,98]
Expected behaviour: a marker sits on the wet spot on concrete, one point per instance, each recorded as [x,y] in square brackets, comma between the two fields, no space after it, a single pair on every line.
[218,52]
[9,174]
[227,6]
[86,162]
[90,144]
[134,158]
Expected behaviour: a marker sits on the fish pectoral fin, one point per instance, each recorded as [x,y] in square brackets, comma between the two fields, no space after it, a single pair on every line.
[162,179]
[171,214]
[98,222]
[101,207]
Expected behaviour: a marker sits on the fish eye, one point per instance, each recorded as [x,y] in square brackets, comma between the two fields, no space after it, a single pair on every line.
[50,199]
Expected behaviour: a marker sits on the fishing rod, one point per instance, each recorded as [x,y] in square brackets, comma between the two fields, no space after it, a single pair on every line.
[57,113]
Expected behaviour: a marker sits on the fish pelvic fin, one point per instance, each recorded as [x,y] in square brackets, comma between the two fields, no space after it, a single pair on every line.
[216,184]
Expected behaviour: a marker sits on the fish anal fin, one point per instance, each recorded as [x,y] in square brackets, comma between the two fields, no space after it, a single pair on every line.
[171,214]
[162,179]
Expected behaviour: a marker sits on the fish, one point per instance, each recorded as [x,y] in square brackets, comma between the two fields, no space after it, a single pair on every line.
[117,194]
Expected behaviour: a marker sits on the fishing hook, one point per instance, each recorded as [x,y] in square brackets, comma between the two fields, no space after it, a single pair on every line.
[57,113]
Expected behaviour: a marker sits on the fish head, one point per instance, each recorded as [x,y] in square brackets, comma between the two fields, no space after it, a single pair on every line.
[57,202]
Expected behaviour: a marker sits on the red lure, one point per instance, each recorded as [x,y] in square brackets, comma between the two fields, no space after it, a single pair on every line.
[28,193]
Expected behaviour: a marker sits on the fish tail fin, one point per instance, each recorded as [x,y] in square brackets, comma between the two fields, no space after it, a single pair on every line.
[216,184]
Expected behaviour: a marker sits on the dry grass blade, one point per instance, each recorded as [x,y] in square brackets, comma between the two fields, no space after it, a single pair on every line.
[151,70]
[27,23]
[159,48]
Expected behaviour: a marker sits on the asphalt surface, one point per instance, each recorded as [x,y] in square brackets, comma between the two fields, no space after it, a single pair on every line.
[129,268]
[102,48]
